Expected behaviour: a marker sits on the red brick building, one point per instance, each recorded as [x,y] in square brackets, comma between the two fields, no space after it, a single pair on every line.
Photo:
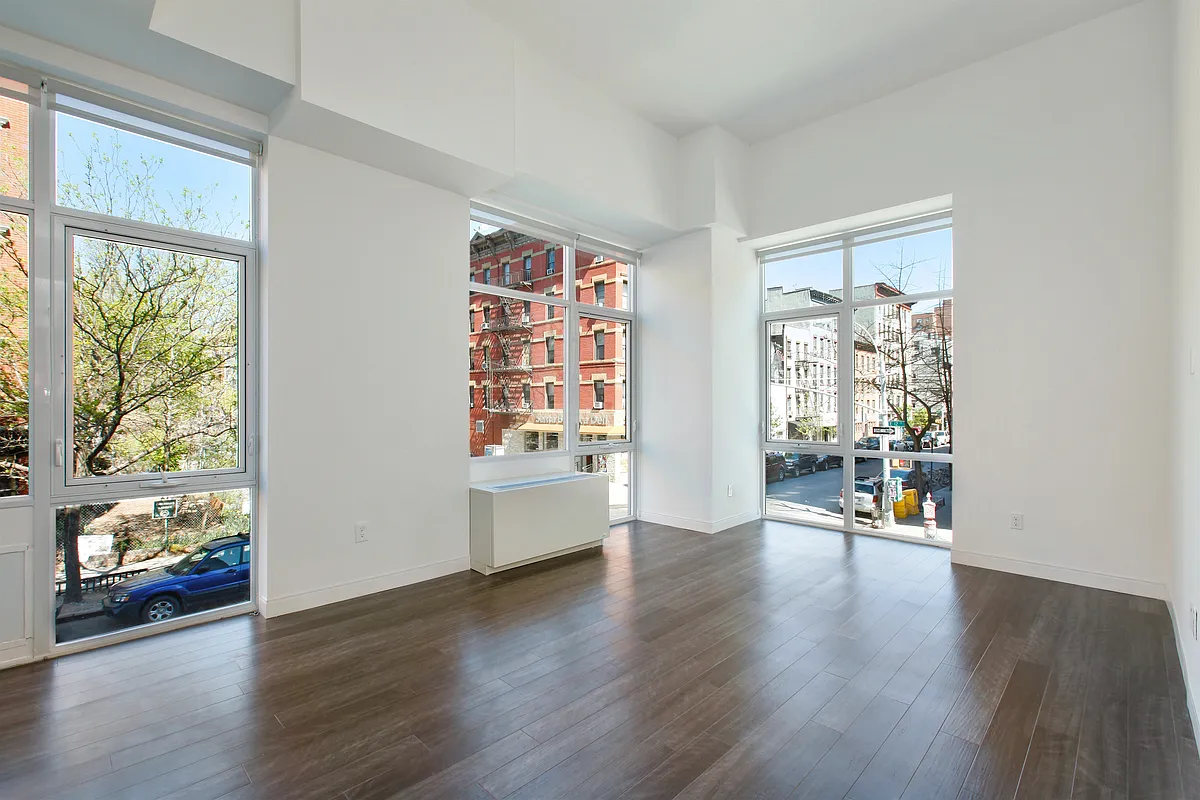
[517,349]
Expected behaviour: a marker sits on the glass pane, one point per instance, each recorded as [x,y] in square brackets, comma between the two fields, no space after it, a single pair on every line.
[516,377]
[804,487]
[904,375]
[603,350]
[616,467]
[14,354]
[109,171]
[601,280]
[14,148]
[155,359]
[912,264]
[920,503]
[804,282]
[803,387]
[132,562]
[500,257]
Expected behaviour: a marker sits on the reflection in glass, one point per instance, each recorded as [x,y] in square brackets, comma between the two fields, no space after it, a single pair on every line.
[14,354]
[516,378]
[601,280]
[909,265]
[154,359]
[803,385]
[804,487]
[152,559]
[616,467]
[919,487]
[803,282]
[603,370]
[904,376]
[108,171]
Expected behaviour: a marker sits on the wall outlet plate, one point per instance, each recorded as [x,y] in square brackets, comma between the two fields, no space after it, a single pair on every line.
[1016,522]
[360,532]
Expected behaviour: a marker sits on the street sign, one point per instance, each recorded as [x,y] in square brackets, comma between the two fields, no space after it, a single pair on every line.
[164,509]
[883,430]
[893,489]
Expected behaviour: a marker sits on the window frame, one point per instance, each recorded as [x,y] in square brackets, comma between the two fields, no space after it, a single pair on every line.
[45,313]
[569,309]
[65,485]
[847,362]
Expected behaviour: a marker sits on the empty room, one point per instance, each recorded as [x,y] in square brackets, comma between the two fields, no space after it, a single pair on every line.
[830,418]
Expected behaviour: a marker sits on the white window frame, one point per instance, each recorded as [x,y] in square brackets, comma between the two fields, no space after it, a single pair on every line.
[67,486]
[570,310]
[48,294]
[843,311]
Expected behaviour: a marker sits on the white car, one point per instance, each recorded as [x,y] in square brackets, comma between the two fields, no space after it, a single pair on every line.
[865,493]
[940,438]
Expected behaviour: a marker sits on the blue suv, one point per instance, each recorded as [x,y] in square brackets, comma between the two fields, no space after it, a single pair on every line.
[216,574]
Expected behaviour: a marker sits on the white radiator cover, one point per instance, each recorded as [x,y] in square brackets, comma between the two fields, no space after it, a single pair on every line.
[517,522]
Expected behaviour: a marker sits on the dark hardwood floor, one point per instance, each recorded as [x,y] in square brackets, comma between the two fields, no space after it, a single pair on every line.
[770,661]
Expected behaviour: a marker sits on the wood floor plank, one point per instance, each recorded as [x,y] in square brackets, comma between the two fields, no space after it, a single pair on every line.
[768,661]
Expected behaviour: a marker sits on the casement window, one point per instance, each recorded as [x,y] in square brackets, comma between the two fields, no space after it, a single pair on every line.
[865,298]
[146,368]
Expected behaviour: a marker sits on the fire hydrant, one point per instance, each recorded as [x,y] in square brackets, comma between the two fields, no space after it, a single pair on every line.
[930,508]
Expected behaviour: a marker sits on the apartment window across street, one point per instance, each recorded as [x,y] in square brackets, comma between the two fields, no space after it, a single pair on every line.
[867,447]
[144,213]
[517,420]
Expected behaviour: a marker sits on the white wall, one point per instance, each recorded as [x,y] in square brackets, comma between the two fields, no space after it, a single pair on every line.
[675,472]
[363,297]
[263,38]
[1185,435]
[698,318]
[1056,154]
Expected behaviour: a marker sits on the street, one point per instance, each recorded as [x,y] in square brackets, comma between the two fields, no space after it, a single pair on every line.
[814,498]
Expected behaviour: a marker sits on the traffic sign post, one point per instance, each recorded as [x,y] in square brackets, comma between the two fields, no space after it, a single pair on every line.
[165,510]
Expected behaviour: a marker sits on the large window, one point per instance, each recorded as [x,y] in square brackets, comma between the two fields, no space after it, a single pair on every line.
[550,360]
[136,323]
[867,414]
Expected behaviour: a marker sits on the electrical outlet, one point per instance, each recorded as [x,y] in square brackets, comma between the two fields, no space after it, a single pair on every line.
[729,490]
[1016,522]
[360,532]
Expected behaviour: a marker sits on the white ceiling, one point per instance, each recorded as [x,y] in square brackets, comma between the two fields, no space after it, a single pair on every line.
[119,31]
[762,67]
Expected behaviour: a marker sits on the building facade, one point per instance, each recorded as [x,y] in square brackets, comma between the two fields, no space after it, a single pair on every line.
[518,377]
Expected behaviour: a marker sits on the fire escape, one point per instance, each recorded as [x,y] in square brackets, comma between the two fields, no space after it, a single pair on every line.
[507,333]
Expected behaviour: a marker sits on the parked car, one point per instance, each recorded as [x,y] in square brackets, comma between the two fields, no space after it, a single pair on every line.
[940,438]
[216,573]
[774,467]
[794,464]
[867,497]
[828,462]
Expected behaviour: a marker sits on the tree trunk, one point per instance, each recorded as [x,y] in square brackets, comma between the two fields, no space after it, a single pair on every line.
[72,525]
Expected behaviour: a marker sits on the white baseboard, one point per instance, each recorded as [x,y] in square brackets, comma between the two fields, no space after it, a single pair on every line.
[1079,577]
[698,525]
[16,652]
[735,520]
[1183,664]
[301,601]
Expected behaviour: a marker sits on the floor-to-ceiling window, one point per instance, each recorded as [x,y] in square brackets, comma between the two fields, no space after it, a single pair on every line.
[858,342]
[550,334]
[128,360]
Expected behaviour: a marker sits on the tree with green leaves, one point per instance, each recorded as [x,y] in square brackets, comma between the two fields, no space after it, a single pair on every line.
[155,333]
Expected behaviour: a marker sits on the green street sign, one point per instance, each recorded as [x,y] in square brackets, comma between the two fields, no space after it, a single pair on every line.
[164,509]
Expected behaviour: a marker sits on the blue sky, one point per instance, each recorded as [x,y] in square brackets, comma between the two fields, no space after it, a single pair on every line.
[928,260]
[227,182]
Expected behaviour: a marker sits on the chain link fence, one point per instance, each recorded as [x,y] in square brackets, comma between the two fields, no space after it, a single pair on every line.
[116,535]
